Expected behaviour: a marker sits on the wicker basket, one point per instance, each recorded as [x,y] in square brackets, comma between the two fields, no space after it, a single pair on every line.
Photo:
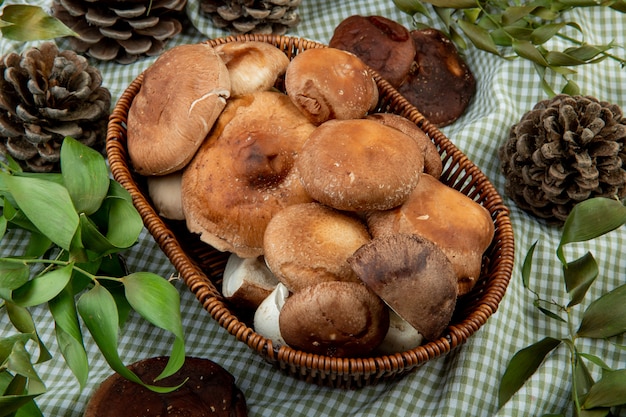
[201,266]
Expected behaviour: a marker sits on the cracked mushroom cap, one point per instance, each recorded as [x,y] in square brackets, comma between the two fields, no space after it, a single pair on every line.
[359,164]
[244,172]
[433,165]
[328,83]
[252,66]
[413,276]
[306,244]
[440,83]
[335,319]
[459,226]
[181,96]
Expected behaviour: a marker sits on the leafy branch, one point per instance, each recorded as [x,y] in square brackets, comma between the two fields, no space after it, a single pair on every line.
[605,317]
[77,221]
[515,29]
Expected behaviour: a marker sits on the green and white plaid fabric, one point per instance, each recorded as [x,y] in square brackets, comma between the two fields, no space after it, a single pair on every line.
[464,382]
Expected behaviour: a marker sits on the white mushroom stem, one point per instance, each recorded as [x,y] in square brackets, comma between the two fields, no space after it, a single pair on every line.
[247,281]
[266,316]
[166,195]
[400,337]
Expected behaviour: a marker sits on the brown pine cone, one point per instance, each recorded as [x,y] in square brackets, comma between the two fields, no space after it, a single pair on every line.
[46,95]
[565,150]
[252,16]
[120,30]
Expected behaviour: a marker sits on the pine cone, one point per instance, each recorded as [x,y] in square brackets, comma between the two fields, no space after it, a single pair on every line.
[120,30]
[249,16]
[564,151]
[45,95]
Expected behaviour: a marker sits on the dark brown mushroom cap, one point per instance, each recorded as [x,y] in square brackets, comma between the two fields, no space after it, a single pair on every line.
[181,96]
[440,83]
[305,244]
[359,164]
[209,390]
[433,165]
[335,319]
[413,276]
[383,44]
[244,172]
[328,83]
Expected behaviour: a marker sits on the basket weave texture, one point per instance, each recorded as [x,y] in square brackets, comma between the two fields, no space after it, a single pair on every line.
[201,266]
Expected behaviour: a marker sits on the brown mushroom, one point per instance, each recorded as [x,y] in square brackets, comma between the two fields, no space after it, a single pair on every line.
[305,244]
[433,165]
[359,164]
[413,276]
[243,173]
[328,83]
[181,96]
[252,66]
[459,226]
[335,319]
[440,83]
[383,44]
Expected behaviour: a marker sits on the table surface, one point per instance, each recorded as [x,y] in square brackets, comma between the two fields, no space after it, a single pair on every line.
[462,382]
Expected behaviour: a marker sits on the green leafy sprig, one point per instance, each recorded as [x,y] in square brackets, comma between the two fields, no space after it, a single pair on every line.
[76,221]
[21,22]
[604,317]
[512,29]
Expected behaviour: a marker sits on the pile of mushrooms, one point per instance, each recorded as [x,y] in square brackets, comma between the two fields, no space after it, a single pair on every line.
[343,240]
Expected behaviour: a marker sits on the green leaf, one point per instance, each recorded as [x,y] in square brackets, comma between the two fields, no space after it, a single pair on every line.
[31,23]
[571,88]
[551,314]
[514,13]
[99,313]
[158,302]
[596,360]
[12,274]
[43,288]
[85,175]
[522,366]
[7,343]
[556,58]
[411,7]
[584,223]
[609,391]
[479,37]
[543,33]
[47,205]
[527,265]
[527,50]
[68,334]
[605,316]
[23,321]
[127,221]
[578,276]
[38,245]
[454,4]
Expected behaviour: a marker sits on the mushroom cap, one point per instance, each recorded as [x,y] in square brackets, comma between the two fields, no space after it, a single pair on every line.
[461,227]
[334,318]
[381,43]
[243,173]
[181,96]
[359,164]
[306,244]
[252,66]
[328,83]
[433,165]
[165,193]
[413,276]
[441,85]
[247,282]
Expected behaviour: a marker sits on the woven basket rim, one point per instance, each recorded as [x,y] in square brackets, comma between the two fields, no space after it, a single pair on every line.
[338,371]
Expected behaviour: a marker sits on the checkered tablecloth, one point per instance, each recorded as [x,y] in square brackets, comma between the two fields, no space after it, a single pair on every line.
[464,382]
